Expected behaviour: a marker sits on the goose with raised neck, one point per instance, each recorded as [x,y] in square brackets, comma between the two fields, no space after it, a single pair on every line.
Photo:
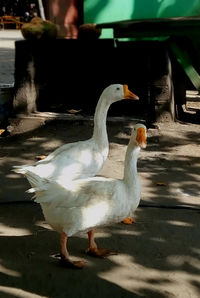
[84,158]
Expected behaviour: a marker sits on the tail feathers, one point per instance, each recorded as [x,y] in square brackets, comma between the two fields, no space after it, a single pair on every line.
[49,191]
[44,195]
[40,195]
[21,169]
[35,180]
[42,187]
[39,186]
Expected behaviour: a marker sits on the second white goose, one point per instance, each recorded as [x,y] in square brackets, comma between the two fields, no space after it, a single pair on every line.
[84,158]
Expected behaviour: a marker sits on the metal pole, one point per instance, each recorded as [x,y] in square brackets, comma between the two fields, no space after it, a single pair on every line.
[41,9]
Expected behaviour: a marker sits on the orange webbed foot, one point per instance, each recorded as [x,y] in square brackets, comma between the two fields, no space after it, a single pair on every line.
[129,220]
[100,252]
[71,264]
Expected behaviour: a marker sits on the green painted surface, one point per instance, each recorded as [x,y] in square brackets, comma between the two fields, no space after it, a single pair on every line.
[184,59]
[100,11]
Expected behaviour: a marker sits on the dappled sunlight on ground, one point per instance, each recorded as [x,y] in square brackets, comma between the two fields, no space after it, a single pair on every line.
[158,256]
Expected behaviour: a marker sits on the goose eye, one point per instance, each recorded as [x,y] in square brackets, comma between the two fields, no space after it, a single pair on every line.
[118,88]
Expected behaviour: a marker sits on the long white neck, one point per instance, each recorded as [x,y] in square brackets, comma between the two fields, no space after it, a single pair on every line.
[100,131]
[130,165]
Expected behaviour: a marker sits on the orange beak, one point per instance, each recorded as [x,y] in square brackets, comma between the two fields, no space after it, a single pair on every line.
[141,137]
[128,94]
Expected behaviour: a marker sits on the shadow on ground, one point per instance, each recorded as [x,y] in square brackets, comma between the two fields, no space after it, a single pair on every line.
[159,256]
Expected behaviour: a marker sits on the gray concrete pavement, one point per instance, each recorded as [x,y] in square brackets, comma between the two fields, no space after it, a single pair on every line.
[7,54]
[159,256]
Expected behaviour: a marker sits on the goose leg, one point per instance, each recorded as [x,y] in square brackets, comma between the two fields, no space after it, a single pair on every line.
[65,260]
[94,251]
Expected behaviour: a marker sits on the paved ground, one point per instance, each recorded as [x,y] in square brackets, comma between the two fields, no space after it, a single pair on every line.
[7,54]
[159,256]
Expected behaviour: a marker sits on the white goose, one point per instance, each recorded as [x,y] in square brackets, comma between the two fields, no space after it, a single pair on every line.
[81,205]
[84,158]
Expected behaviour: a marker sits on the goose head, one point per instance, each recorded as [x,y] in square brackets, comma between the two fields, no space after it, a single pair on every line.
[139,135]
[117,92]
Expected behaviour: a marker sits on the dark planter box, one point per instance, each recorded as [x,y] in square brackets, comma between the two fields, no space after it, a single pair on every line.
[57,75]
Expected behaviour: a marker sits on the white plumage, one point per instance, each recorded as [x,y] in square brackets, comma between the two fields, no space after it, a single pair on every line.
[84,158]
[81,205]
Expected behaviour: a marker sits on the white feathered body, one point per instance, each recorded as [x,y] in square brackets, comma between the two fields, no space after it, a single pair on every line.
[71,161]
[84,158]
[84,204]
[80,205]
